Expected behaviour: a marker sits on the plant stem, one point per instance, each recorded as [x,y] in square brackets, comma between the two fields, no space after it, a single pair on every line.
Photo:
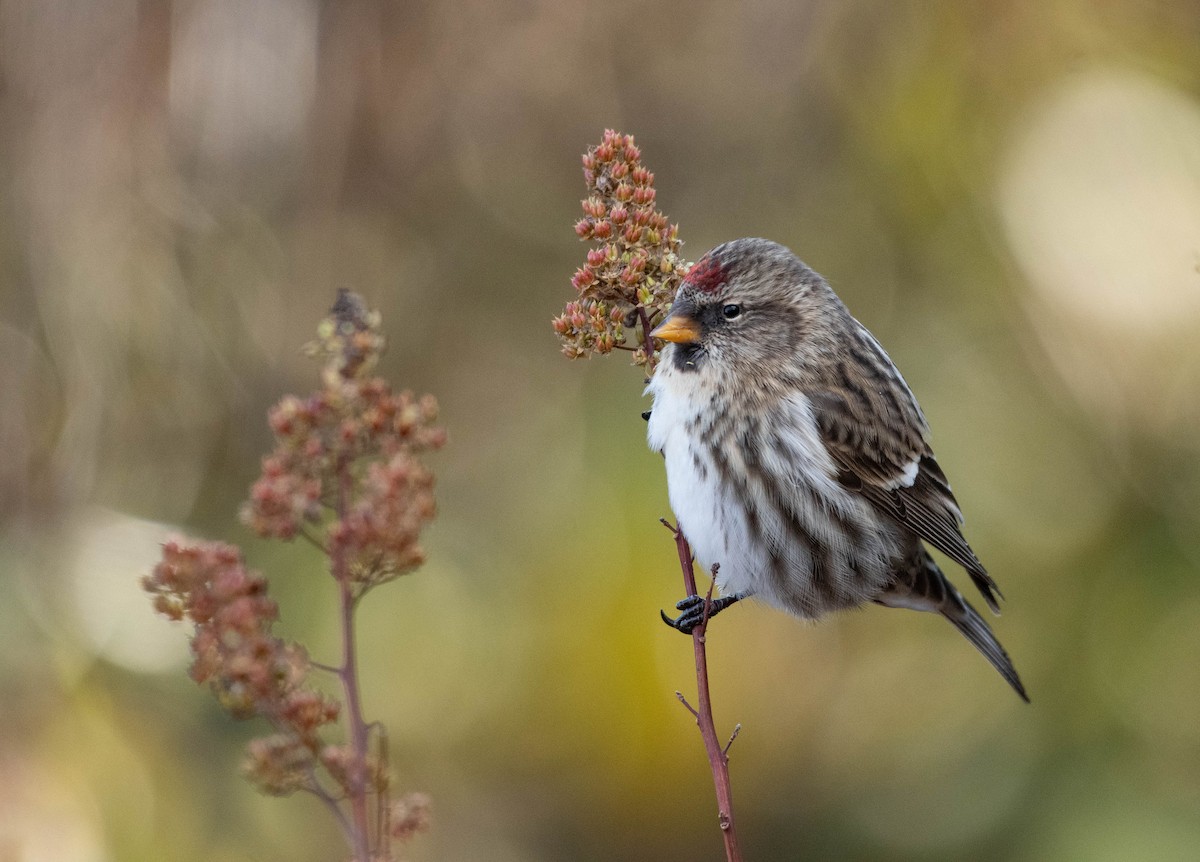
[718,758]
[329,802]
[647,341]
[348,673]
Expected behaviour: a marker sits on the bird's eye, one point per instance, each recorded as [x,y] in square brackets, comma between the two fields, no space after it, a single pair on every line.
[731,311]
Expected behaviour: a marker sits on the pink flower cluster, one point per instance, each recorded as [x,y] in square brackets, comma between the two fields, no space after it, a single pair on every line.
[250,671]
[318,437]
[347,461]
[633,269]
[380,533]
[409,815]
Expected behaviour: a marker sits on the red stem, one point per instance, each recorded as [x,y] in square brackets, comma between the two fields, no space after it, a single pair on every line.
[647,341]
[718,760]
[348,673]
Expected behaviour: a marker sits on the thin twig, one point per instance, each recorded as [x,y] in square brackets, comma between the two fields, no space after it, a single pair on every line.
[690,708]
[383,809]
[348,672]
[737,728]
[647,341]
[329,802]
[313,540]
[708,597]
[718,758]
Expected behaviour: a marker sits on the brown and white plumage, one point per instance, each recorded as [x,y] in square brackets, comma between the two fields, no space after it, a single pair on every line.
[796,455]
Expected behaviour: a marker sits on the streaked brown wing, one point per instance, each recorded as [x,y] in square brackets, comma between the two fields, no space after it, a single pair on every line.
[886,458]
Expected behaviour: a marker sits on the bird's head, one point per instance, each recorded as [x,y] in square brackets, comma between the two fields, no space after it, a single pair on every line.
[748,302]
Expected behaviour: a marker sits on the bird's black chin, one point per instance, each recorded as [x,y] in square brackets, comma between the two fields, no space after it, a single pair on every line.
[687,357]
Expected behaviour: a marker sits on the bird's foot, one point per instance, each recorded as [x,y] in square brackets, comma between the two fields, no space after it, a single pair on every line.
[693,611]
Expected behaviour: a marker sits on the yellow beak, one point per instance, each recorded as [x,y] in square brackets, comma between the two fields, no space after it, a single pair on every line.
[678,328]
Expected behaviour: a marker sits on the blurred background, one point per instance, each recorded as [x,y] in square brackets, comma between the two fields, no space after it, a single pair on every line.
[1006,193]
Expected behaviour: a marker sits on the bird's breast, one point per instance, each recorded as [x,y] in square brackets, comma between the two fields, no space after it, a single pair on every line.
[757,492]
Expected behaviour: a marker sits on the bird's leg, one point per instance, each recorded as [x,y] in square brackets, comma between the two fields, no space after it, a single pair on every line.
[693,612]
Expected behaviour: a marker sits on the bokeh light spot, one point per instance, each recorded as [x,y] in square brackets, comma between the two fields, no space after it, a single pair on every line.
[112,551]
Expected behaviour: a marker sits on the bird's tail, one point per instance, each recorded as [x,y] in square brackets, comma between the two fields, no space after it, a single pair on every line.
[921,586]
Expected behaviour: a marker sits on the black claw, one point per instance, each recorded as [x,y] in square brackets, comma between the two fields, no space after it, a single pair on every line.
[683,623]
[692,608]
[676,623]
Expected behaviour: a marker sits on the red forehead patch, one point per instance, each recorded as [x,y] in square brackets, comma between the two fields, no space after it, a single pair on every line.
[706,275]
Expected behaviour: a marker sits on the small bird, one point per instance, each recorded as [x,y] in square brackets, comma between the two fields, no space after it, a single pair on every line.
[797,457]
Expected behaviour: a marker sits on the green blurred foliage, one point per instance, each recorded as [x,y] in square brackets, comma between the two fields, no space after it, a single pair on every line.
[183,186]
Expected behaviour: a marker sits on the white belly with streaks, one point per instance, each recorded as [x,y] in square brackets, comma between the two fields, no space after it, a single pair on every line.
[715,520]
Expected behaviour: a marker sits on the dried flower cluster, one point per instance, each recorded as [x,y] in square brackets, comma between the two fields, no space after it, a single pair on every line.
[633,268]
[251,671]
[378,512]
[347,474]
[409,815]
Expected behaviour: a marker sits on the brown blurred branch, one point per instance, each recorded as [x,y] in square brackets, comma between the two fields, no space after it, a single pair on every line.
[352,448]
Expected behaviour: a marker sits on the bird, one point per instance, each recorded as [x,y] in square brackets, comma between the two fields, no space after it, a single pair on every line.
[798,460]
